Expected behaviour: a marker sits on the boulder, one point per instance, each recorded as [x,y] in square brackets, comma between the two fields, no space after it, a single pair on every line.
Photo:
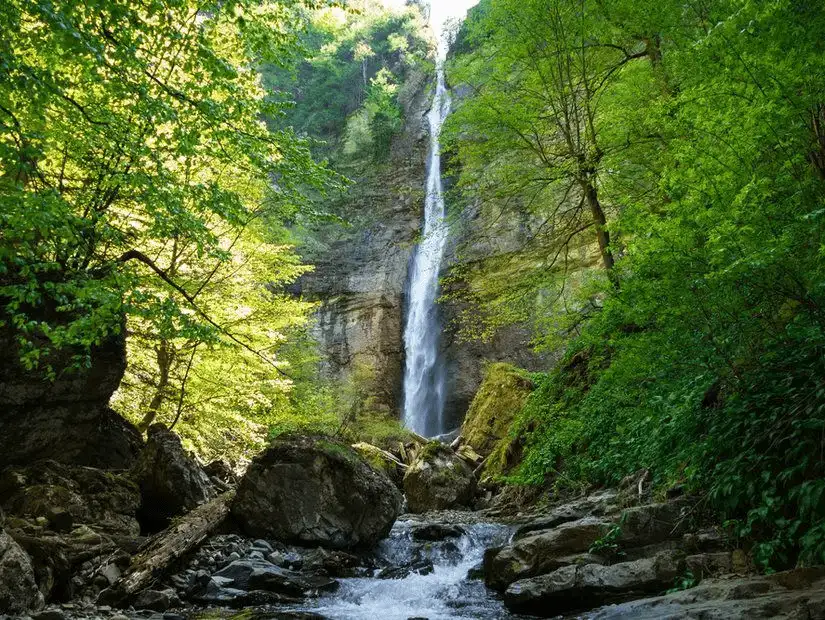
[250,575]
[542,552]
[381,460]
[438,480]
[68,419]
[315,490]
[790,595]
[171,483]
[501,395]
[579,587]
[18,588]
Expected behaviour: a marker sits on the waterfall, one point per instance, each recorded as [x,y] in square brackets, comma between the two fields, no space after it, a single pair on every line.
[424,372]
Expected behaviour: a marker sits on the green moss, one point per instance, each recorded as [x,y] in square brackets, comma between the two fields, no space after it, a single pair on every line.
[502,394]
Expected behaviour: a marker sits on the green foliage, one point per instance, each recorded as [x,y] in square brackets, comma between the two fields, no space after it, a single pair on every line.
[137,180]
[704,363]
[347,92]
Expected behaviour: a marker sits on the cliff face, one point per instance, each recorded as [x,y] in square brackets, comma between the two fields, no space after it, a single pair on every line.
[361,270]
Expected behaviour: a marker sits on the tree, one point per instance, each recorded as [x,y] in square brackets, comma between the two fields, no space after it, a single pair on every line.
[132,135]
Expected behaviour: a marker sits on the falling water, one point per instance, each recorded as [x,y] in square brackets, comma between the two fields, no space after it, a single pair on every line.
[424,373]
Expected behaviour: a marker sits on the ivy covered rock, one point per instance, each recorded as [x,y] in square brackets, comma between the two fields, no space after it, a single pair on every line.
[438,479]
[315,491]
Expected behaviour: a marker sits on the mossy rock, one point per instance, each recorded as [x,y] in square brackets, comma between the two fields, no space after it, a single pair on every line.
[500,397]
[438,480]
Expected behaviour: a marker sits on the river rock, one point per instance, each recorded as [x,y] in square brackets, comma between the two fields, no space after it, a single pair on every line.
[18,588]
[586,586]
[438,480]
[171,483]
[790,595]
[261,575]
[315,490]
[543,552]
[381,460]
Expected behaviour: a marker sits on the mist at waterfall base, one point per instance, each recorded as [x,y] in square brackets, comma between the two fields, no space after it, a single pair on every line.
[424,373]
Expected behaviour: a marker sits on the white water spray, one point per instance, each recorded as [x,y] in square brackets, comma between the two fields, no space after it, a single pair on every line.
[424,373]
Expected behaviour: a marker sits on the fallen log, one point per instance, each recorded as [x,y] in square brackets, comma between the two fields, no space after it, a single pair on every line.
[162,551]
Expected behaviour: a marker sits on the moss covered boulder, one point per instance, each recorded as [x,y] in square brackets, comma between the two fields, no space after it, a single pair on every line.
[381,460]
[315,491]
[438,479]
[501,396]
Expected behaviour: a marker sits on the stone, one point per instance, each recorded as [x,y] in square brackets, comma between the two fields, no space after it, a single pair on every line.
[221,470]
[436,531]
[156,600]
[501,395]
[171,483]
[255,575]
[438,480]
[315,491]
[791,595]
[68,419]
[111,573]
[575,587]
[541,552]
[18,588]
[653,523]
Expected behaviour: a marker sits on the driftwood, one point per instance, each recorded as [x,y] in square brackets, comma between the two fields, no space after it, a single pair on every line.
[162,551]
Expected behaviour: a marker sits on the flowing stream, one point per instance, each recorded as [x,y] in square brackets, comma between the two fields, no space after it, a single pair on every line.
[445,592]
[424,374]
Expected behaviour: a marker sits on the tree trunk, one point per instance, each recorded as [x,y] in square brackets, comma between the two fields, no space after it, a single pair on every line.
[597,214]
[165,355]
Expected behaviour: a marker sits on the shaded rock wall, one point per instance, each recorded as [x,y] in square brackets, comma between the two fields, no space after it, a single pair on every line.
[68,419]
[361,271]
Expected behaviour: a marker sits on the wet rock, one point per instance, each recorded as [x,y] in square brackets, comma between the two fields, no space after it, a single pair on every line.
[332,563]
[256,575]
[49,614]
[436,531]
[171,483]
[438,480]
[156,600]
[541,552]
[314,490]
[18,589]
[419,567]
[575,587]
[792,595]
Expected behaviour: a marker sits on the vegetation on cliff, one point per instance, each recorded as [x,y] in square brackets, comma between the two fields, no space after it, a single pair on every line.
[696,340]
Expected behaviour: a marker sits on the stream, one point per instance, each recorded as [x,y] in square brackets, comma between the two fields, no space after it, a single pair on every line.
[442,594]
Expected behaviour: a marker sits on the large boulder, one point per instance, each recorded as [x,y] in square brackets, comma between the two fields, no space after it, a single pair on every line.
[791,595]
[543,552]
[575,587]
[18,589]
[500,397]
[66,419]
[438,480]
[171,483]
[315,490]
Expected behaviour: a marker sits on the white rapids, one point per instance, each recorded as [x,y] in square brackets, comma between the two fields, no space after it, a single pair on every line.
[443,594]
[424,374]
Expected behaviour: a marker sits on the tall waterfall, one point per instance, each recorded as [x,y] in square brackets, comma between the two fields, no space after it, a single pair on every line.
[424,373]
